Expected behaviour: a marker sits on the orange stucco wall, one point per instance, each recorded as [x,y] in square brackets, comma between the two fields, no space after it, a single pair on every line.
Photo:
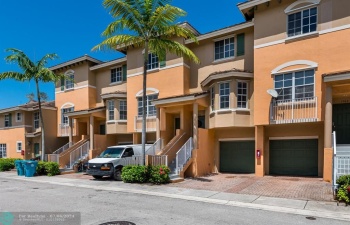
[10,137]
[316,49]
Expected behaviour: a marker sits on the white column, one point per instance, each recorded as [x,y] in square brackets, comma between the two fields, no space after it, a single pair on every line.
[91,132]
[328,120]
[70,121]
[195,125]
[158,124]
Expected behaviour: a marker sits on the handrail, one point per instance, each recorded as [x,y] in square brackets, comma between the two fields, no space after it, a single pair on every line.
[183,155]
[63,148]
[153,149]
[78,154]
[169,148]
[335,166]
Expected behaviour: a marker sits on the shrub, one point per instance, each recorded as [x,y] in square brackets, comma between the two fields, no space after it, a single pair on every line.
[7,164]
[142,174]
[52,168]
[40,169]
[159,174]
[343,193]
[135,174]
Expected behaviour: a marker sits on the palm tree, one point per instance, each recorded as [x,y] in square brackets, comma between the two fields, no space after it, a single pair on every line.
[151,25]
[32,71]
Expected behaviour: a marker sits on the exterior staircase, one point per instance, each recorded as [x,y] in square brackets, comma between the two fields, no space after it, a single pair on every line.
[78,151]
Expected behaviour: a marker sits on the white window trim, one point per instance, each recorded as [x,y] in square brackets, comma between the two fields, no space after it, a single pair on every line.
[121,79]
[37,120]
[234,49]
[229,96]
[290,9]
[247,94]
[126,104]
[17,146]
[109,111]
[300,10]
[147,106]
[223,38]
[293,81]
[68,73]
[310,65]
[20,120]
[212,98]
[2,145]
[7,120]
[148,62]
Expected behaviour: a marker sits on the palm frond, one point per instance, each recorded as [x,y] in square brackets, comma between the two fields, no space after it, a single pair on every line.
[13,75]
[158,46]
[127,10]
[43,61]
[177,30]
[163,16]
[120,26]
[46,75]
[21,59]
[119,41]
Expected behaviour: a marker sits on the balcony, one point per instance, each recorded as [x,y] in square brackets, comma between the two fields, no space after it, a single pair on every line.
[293,111]
[151,124]
[63,130]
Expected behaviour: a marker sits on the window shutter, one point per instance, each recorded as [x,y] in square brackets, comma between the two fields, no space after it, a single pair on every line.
[240,44]
[10,120]
[62,84]
[124,72]
[162,62]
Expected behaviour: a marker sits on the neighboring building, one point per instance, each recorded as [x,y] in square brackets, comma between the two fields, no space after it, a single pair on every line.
[20,130]
[261,100]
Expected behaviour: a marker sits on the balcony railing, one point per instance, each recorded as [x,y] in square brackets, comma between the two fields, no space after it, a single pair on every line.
[293,111]
[151,123]
[63,130]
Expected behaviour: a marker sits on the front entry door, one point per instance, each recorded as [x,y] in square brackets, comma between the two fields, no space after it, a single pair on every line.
[177,124]
[341,121]
[36,149]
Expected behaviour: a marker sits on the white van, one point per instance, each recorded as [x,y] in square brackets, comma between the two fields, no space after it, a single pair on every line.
[111,161]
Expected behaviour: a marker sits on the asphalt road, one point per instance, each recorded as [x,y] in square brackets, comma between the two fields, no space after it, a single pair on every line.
[97,206]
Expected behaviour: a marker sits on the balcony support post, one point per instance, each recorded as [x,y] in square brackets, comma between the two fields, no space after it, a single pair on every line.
[70,122]
[91,123]
[328,120]
[195,125]
[158,124]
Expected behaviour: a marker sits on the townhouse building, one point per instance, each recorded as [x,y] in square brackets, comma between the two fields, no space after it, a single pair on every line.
[265,98]
[20,130]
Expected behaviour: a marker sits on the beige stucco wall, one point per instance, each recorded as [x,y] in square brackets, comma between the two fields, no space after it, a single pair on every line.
[10,137]
[205,52]
[331,14]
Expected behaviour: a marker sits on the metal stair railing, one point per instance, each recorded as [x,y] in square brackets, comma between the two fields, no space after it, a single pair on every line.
[79,154]
[183,155]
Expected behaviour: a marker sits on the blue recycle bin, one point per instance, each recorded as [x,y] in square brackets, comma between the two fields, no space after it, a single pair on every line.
[30,168]
[19,167]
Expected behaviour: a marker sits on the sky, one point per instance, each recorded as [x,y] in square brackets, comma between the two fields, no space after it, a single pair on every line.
[70,28]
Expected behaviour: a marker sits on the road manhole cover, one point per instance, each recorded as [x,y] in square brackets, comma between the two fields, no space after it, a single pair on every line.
[118,223]
[310,218]
[35,188]
[4,181]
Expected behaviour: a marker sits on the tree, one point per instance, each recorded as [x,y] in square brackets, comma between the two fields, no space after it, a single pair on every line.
[43,96]
[150,24]
[32,71]
[30,97]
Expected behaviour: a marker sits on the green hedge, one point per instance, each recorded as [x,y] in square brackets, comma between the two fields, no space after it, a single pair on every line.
[143,174]
[48,168]
[344,184]
[7,164]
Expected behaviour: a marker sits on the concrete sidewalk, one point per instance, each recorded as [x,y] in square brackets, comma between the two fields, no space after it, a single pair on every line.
[300,207]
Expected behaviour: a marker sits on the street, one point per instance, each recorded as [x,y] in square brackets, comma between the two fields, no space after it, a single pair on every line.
[99,206]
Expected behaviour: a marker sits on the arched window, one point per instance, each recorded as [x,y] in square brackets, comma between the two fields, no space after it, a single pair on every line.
[302,17]
[66,108]
[151,94]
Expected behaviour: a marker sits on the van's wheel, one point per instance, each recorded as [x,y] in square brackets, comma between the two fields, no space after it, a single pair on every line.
[117,174]
[97,177]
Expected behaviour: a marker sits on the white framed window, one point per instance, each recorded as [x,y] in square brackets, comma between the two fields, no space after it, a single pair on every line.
[7,120]
[122,110]
[19,146]
[242,94]
[153,61]
[18,117]
[224,92]
[111,110]
[36,120]
[3,151]
[212,98]
[295,85]
[116,75]
[225,48]
[69,82]
[64,117]
[150,108]
[302,22]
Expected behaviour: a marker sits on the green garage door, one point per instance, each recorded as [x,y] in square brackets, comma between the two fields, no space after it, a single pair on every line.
[294,157]
[237,157]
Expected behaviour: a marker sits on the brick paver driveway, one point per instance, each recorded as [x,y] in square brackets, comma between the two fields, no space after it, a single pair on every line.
[304,188]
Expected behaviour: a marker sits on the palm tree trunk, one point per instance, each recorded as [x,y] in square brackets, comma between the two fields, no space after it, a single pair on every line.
[144,106]
[42,122]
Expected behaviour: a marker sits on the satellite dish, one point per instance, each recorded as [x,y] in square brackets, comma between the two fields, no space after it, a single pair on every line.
[273,93]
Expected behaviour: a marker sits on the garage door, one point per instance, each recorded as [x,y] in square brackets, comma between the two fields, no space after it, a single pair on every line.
[294,157]
[237,157]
